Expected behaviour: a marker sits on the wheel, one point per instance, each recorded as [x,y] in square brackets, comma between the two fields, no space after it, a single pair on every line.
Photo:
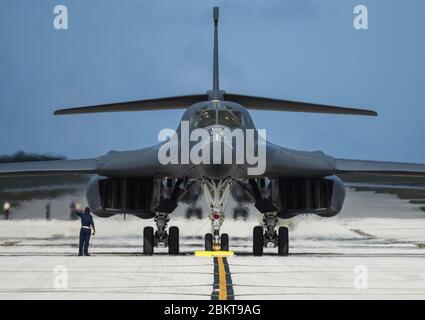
[224,242]
[258,241]
[236,213]
[208,242]
[199,213]
[283,241]
[148,240]
[188,214]
[173,240]
[240,212]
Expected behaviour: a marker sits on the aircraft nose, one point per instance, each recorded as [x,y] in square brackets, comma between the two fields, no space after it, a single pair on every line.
[215,171]
[220,148]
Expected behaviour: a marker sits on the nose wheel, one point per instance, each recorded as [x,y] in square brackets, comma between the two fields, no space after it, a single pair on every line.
[216,194]
[210,245]
[224,242]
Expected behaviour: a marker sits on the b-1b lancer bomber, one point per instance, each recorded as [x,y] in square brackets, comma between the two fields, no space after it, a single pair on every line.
[216,149]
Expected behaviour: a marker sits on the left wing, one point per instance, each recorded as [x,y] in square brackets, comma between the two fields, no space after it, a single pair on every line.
[49,167]
[379,167]
[292,163]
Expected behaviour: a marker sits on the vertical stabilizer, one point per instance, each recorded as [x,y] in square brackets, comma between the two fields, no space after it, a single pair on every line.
[216,86]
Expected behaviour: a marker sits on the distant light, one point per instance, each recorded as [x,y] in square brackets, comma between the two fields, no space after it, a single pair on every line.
[6,206]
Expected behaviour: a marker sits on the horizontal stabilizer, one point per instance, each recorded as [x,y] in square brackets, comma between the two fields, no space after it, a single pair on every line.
[180,102]
[259,103]
[49,167]
[183,102]
[379,167]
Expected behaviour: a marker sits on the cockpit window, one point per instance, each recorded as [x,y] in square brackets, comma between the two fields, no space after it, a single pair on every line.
[228,119]
[204,119]
[209,117]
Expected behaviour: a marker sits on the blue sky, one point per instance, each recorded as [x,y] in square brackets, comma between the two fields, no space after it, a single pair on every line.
[303,50]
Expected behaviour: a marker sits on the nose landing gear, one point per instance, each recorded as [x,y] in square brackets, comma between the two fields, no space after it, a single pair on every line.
[216,194]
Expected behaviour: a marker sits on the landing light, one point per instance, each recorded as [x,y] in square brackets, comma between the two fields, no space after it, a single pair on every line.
[6,206]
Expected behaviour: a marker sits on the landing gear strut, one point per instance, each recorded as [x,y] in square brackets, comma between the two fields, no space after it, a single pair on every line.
[161,235]
[161,238]
[268,237]
[216,194]
[240,212]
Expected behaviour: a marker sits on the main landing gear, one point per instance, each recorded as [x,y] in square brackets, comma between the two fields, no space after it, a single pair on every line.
[268,237]
[161,238]
[193,211]
[216,194]
[240,212]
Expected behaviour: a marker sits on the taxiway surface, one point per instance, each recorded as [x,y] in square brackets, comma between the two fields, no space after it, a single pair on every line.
[374,249]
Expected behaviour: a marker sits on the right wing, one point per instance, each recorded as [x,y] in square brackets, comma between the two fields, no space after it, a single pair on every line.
[136,163]
[49,167]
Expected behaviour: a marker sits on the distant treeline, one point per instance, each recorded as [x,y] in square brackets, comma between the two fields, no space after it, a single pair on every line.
[21,156]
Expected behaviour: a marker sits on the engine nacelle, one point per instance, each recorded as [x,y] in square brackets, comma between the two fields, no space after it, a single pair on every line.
[110,196]
[322,196]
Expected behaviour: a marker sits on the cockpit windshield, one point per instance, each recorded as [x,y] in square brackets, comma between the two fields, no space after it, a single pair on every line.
[204,119]
[229,119]
[209,117]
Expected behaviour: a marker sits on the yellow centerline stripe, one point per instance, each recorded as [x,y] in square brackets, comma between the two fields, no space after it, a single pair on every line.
[222,280]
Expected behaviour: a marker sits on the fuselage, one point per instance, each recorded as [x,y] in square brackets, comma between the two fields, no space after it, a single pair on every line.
[215,140]
[219,132]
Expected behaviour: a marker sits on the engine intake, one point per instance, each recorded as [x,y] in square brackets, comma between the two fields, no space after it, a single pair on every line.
[127,194]
[322,196]
[108,196]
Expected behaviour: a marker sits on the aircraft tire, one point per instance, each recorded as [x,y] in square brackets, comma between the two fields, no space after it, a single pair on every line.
[173,241]
[283,244]
[258,239]
[224,242]
[208,242]
[148,241]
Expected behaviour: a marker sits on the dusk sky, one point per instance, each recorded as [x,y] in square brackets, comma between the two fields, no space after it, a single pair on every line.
[305,50]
